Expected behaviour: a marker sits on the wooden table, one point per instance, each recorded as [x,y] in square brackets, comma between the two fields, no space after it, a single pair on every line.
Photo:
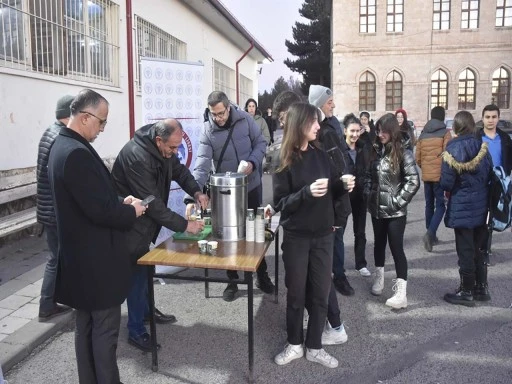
[234,255]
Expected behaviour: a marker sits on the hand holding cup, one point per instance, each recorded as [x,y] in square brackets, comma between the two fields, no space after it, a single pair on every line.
[349,182]
[319,187]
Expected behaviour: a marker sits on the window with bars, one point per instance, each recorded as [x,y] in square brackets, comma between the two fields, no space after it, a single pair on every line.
[393,91]
[245,89]
[467,90]
[156,43]
[367,92]
[395,16]
[504,13]
[74,39]
[441,16]
[439,89]
[367,16]
[501,88]
[224,79]
[470,14]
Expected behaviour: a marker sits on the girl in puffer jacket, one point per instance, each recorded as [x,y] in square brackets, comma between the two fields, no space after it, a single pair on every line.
[390,185]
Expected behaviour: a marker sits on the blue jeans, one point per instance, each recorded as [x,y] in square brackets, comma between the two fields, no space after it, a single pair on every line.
[434,206]
[137,301]
[338,256]
[46,303]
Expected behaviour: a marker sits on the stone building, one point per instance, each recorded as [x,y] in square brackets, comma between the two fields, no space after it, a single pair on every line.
[389,54]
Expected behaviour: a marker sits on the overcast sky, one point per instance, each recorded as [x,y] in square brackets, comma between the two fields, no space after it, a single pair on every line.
[270,22]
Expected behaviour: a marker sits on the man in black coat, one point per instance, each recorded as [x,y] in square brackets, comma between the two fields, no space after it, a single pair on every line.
[92,223]
[48,308]
[146,166]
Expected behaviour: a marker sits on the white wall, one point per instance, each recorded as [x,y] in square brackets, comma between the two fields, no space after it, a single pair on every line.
[27,100]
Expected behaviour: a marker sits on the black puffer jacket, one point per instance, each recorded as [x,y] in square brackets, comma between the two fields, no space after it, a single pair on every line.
[389,191]
[45,208]
[141,170]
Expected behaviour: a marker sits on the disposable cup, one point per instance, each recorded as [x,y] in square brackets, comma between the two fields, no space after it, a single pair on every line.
[346,178]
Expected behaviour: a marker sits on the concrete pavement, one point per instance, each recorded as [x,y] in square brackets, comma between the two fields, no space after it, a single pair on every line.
[429,342]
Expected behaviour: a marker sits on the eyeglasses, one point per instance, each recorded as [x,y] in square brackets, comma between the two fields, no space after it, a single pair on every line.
[102,122]
[219,115]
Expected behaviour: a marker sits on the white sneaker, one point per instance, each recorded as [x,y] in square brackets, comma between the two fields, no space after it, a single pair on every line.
[333,336]
[399,299]
[364,272]
[378,281]
[321,357]
[290,352]
[305,319]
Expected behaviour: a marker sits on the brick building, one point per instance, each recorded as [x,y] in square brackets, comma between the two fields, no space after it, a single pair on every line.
[388,54]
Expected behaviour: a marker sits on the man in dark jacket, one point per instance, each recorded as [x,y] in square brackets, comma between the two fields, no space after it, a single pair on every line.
[329,136]
[147,165]
[246,143]
[92,221]
[431,144]
[500,148]
[48,308]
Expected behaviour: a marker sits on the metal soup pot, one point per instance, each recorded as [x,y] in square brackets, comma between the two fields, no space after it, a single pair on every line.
[228,193]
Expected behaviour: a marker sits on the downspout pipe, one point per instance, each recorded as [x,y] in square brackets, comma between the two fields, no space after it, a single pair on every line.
[131,81]
[238,73]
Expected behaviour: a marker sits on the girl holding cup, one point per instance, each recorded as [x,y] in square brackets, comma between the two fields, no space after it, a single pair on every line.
[304,186]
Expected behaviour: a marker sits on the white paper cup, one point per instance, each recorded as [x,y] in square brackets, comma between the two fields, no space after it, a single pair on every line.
[346,178]
[212,247]
[203,246]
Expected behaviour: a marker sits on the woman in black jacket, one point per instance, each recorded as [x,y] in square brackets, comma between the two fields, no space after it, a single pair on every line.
[357,165]
[304,186]
[390,185]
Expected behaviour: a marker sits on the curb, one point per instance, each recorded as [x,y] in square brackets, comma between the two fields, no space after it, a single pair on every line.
[14,348]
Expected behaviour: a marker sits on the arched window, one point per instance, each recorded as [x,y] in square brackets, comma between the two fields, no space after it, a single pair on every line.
[393,91]
[367,92]
[501,88]
[467,89]
[439,87]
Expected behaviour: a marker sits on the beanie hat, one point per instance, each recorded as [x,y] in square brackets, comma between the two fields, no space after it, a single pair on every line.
[318,95]
[437,113]
[63,109]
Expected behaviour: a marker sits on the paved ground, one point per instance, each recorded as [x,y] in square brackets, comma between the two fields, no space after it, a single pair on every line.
[429,342]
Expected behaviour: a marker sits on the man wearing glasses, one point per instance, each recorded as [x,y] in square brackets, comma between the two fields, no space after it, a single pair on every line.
[146,166]
[246,143]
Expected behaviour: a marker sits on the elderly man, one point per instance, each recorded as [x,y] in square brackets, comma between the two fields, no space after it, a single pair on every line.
[330,137]
[146,166]
[92,222]
[46,211]
[246,143]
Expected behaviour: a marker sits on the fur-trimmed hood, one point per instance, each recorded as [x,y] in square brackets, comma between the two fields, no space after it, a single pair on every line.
[466,166]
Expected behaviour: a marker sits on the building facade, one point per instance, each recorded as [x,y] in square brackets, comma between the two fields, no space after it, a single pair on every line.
[389,54]
[49,48]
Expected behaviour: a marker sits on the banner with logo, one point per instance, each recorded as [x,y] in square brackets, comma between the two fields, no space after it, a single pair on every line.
[172,89]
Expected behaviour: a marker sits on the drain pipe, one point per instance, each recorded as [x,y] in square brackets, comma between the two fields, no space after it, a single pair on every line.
[238,74]
[129,52]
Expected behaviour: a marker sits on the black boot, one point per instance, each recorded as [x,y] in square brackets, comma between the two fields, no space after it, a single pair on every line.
[481,290]
[464,295]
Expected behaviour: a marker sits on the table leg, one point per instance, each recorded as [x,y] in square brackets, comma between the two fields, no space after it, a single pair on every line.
[276,253]
[206,285]
[248,279]
[152,326]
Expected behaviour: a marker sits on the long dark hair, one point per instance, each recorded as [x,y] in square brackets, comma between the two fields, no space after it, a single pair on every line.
[299,118]
[389,124]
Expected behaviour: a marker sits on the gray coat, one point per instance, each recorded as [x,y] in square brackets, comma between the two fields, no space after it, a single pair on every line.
[389,191]
[246,143]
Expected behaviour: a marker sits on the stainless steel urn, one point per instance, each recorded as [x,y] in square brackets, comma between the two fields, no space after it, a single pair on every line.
[229,204]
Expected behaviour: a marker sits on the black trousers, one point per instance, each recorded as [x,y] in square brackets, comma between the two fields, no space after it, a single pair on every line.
[307,265]
[96,337]
[253,202]
[468,243]
[392,230]
[359,224]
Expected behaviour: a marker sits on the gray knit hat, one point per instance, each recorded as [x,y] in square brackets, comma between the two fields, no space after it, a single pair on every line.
[318,95]
[63,109]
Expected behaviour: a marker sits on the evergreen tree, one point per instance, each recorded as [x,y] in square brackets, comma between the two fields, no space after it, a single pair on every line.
[312,44]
